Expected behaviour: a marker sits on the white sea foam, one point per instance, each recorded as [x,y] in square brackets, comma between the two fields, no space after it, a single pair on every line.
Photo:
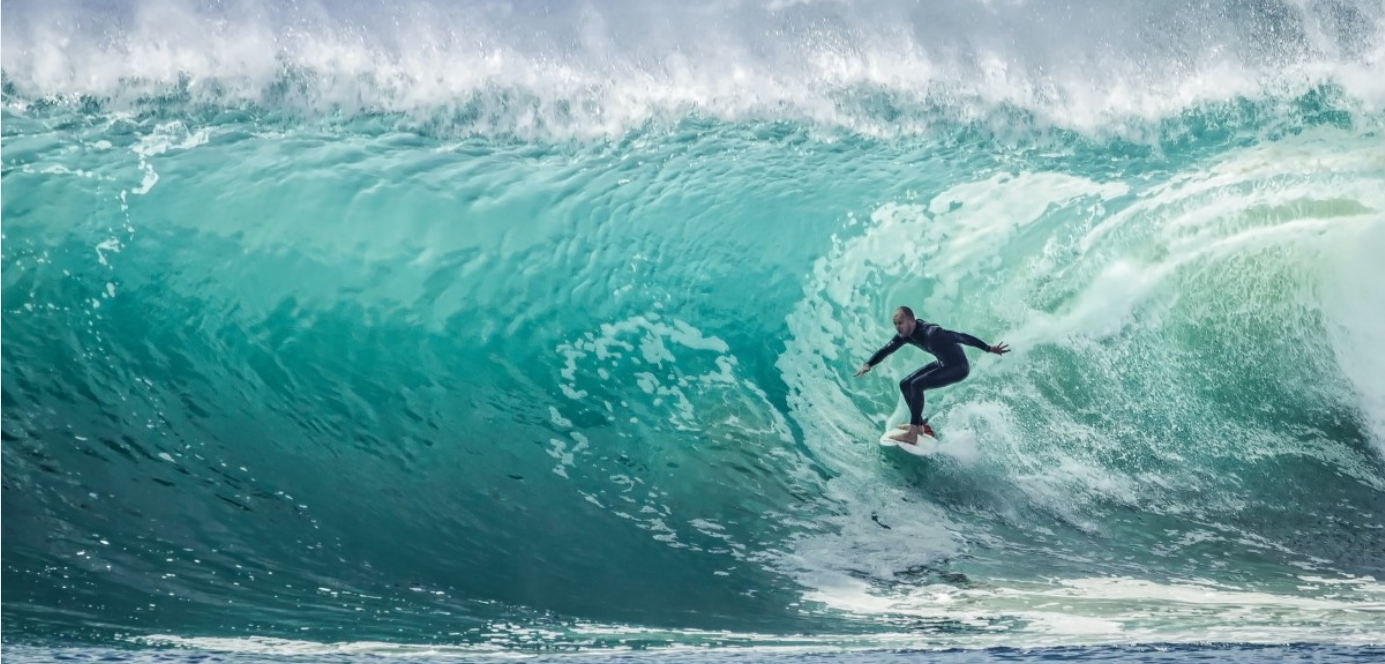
[1083,611]
[877,68]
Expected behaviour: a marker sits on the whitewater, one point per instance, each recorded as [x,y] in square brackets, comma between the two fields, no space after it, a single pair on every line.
[484,330]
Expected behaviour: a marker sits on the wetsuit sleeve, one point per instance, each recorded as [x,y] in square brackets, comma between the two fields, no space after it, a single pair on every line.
[964,338]
[885,351]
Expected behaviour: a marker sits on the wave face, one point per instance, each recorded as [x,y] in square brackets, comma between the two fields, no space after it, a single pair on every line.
[348,328]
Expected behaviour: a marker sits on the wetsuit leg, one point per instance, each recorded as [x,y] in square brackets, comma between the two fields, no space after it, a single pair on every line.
[914,398]
[929,377]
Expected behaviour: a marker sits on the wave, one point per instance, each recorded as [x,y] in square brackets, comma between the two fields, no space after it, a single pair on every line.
[297,350]
[534,70]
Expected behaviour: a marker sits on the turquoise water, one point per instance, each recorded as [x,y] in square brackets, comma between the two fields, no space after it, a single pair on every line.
[347,330]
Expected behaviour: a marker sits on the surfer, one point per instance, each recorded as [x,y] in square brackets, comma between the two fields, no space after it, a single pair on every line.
[950,367]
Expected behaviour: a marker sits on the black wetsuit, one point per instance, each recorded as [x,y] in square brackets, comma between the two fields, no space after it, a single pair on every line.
[950,367]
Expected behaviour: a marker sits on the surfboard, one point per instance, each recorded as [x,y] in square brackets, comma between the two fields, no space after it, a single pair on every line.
[926,446]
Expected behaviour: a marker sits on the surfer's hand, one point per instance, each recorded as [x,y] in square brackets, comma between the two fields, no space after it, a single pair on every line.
[862,371]
[999,349]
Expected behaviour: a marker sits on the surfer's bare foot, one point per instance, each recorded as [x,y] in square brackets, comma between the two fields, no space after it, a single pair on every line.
[906,437]
[903,427]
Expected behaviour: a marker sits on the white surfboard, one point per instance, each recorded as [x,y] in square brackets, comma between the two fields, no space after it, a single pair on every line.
[926,447]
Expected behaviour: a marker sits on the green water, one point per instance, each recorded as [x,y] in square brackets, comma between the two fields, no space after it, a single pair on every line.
[503,375]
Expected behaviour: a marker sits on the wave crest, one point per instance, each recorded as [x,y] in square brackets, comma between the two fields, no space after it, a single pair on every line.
[881,69]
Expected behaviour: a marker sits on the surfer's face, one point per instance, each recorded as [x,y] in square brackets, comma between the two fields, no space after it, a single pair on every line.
[904,323]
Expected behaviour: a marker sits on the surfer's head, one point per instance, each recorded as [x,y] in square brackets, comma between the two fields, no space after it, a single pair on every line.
[904,321]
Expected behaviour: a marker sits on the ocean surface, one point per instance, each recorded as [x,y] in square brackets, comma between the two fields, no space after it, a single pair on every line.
[422,330]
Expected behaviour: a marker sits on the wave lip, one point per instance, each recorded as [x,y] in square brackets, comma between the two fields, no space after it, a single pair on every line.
[880,69]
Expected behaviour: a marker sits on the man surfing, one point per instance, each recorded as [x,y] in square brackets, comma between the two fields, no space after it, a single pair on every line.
[950,367]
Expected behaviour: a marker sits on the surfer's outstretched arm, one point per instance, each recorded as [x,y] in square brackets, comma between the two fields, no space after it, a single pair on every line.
[964,338]
[895,344]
